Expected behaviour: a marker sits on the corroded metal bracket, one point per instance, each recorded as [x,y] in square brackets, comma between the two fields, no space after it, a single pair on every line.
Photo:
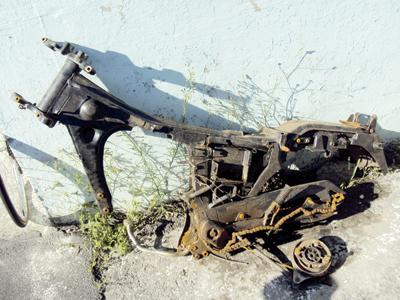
[233,182]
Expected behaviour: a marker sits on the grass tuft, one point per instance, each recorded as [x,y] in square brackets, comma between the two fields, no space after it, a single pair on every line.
[106,236]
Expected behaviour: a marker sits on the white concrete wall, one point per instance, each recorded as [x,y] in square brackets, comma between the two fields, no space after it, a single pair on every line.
[339,56]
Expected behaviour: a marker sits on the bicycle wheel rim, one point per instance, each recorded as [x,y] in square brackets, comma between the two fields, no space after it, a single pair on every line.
[12,190]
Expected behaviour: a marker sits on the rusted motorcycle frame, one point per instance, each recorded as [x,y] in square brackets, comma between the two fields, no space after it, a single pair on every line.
[231,191]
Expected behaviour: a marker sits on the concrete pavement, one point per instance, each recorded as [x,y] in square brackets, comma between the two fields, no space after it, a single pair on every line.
[40,262]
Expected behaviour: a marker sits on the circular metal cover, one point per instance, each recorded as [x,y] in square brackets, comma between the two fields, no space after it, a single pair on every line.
[312,257]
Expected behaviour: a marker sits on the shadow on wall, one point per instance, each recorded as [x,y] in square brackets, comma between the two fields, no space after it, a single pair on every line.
[136,86]
[55,163]
[69,171]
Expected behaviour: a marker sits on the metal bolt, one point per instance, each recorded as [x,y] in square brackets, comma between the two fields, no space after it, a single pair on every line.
[213,232]
[285,149]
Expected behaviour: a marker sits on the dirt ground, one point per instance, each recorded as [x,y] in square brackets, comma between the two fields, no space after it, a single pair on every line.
[367,236]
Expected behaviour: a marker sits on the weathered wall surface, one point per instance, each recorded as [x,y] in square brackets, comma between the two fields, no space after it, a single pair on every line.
[252,63]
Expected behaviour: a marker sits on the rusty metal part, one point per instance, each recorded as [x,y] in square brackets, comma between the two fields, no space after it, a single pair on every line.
[233,244]
[311,258]
[195,244]
[238,185]
[241,164]
[364,121]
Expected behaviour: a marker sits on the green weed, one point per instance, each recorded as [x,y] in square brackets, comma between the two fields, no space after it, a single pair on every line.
[106,237]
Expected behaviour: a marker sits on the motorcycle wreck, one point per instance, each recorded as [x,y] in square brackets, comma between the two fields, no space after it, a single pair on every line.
[238,185]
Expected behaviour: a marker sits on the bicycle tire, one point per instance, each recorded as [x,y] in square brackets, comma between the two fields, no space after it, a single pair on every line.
[20,219]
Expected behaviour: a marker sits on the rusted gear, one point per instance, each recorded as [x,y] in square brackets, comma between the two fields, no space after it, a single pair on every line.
[312,258]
